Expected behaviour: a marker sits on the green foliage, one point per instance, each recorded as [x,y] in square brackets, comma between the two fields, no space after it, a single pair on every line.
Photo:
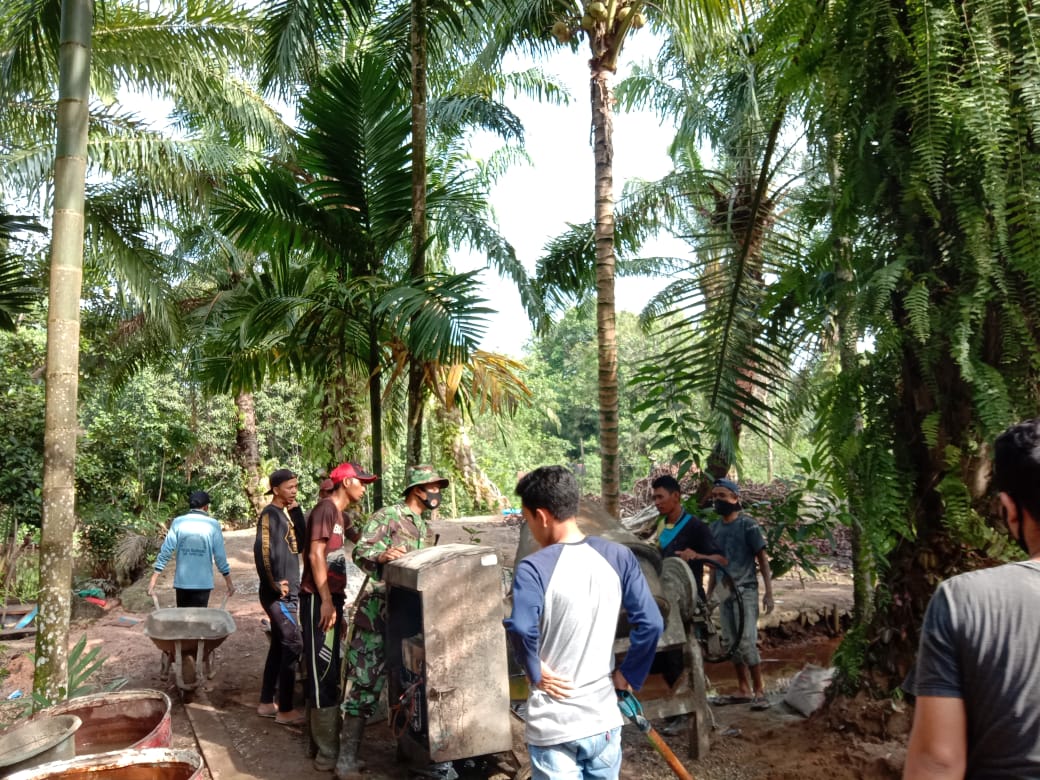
[508,445]
[849,659]
[794,525]
[21,571]
[146,443]
[21,441]
[561,423]
[16,290]
[83,665]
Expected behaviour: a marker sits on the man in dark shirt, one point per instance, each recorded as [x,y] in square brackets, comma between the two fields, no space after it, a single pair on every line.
[276,553]
[321,601]
[680,534]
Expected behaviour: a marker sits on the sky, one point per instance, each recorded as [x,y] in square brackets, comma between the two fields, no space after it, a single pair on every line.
[534,203]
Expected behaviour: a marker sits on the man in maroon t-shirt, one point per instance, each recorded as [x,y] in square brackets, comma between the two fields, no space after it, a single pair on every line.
[321,606]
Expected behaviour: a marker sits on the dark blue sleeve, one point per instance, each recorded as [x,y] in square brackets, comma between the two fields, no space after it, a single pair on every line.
[643,615]
[523,626]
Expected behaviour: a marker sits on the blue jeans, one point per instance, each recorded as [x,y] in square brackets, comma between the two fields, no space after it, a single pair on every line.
[593,758]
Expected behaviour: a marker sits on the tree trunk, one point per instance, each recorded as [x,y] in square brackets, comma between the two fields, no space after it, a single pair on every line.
[606,331]
[863,564]
[375,405]
[247,450]
[917,565]
[343,417]
[417,43]
[61,424]
[475,481]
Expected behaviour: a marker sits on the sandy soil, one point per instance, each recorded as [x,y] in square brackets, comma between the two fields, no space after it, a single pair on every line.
[770,744]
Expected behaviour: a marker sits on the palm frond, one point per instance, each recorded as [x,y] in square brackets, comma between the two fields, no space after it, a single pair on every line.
[441,317]
[298,33]
[452,113]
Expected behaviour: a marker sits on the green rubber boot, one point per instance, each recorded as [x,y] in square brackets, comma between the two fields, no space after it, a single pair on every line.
[349,766]
[325,734]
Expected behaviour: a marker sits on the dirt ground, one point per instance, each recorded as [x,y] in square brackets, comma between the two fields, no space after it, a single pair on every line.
[237,743]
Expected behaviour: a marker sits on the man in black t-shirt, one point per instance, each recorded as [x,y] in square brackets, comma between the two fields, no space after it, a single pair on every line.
[680,534]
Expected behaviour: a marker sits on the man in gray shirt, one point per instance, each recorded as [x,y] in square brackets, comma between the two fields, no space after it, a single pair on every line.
[977,679]
[743,544]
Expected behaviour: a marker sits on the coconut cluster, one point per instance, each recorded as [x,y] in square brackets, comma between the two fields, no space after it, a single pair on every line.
[610,15]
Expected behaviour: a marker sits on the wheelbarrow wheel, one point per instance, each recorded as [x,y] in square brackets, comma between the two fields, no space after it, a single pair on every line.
[210,665]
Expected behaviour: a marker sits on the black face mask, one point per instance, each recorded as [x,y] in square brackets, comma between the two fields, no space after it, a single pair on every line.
[725,508]
[432,499]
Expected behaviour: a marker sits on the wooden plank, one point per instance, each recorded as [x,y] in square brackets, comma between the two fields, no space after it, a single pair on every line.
[215,746]
[15,633]
[20,608]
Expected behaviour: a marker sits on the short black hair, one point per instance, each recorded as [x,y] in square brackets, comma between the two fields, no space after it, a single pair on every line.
[552,488]
[668,482]
[198,499]
[1016,465]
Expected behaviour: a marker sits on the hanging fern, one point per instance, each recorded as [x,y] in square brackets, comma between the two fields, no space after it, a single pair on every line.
[918,310]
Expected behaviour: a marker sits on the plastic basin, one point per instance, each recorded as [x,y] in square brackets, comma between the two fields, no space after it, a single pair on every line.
[37,742]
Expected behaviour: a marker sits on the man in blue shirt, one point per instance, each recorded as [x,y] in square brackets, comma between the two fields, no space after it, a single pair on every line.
[197,540]
[566,600]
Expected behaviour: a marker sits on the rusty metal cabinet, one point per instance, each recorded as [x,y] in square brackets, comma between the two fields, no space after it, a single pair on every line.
[447,676]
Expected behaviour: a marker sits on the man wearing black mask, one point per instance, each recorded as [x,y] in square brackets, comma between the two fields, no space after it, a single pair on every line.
[387,535]
[743,544]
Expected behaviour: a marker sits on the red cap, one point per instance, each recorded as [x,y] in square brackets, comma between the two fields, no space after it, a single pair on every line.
[351,471]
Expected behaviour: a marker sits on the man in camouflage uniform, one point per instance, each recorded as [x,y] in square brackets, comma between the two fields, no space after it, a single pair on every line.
[387,535]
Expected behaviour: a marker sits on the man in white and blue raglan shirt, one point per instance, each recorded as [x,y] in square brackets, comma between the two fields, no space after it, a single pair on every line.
[566,600]
[199,543]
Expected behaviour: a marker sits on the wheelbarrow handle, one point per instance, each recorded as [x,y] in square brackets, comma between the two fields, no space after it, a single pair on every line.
[155,600]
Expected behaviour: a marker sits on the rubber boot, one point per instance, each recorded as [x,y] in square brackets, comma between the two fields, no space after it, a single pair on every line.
[349,767]
[325,734]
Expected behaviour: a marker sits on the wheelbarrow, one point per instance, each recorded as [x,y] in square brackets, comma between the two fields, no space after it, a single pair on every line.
[187,637]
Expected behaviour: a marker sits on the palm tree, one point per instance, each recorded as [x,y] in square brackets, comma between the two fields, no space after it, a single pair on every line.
[411,31]
[140,178]
[734,222]
[605,26]
[330,228]
[61,426]
[940,218]
[188,51]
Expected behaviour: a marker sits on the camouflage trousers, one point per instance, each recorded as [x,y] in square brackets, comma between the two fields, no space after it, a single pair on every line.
[366,657]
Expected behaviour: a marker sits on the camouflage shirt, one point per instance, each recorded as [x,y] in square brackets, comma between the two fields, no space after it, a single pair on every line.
[391,526]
